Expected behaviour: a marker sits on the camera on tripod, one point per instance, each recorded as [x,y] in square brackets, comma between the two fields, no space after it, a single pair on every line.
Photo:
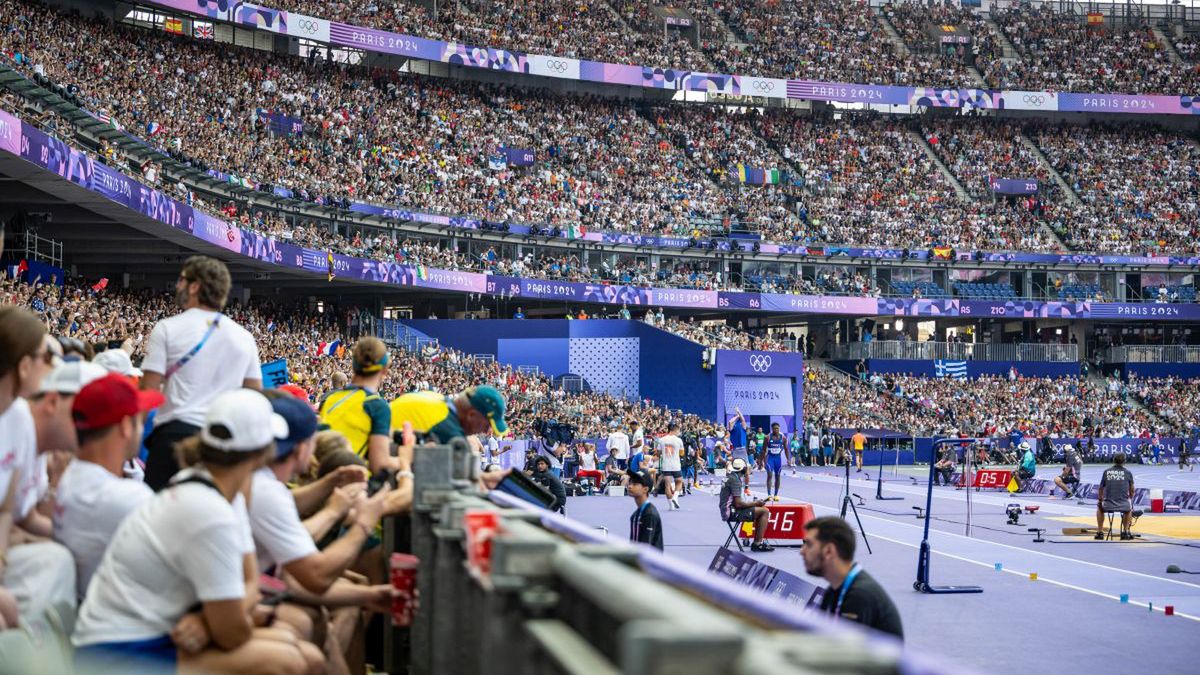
[1014,514]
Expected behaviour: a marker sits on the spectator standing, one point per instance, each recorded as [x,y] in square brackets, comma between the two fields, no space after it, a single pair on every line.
[618,447]
[645,525]
[737,434]
[358,412]
[93,497]
[193,357]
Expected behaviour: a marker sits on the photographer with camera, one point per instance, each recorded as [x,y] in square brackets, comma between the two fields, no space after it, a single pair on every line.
[543,476]
[1027,468]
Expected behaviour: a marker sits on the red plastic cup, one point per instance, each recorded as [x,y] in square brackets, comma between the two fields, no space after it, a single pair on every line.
[480,526]
[404,580]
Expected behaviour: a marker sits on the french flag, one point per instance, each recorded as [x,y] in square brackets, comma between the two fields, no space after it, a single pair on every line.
[153,128]
[329,348]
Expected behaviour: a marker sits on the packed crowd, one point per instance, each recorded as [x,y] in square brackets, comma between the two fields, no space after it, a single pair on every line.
[1058,407]
[607,165]
[1062,52]
[1140,186]
[1173,399]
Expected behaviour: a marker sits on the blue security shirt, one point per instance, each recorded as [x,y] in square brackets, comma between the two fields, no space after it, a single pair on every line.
[635,462]
[737,435]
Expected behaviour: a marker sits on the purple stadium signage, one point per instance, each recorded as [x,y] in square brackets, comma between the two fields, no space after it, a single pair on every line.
[519,156]
[56,156]
[456,53]
[1013,186]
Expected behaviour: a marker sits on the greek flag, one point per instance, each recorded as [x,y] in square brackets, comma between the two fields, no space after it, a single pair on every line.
[955,369]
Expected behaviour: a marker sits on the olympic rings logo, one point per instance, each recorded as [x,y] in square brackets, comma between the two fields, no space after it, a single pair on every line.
[308,26]
[556,65]
[1034,99]
[762,86]
[760,363]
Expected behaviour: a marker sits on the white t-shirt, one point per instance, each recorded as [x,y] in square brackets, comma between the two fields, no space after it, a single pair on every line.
[279,534]
[228,357]
[618,445]
[639,440]
[89,506]
[672,451]
[183,546]
[18,451]
[587,461]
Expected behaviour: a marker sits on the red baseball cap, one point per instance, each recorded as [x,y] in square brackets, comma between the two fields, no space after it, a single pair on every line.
[109,400]
[295,390]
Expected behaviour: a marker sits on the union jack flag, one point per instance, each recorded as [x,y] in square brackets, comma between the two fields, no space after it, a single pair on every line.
[202,31]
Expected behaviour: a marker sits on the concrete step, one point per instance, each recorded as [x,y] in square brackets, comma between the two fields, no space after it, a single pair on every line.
[959,190]
[892,33]
[1168,44]
[1009,49]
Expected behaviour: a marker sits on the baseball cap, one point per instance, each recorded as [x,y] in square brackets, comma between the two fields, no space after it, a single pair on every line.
[737,465]
[69,377]
[117,361]
[242,420]
[487,400]
[301,424]
[641,478]
[369,355]
[110,399]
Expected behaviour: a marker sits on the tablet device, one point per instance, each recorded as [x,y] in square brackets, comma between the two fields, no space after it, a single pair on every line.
[521,486]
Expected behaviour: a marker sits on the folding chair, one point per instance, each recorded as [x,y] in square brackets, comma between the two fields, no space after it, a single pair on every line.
[733,535]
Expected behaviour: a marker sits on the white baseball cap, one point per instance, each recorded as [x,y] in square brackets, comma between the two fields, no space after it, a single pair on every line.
[68,377]
[737,465]
[117,361]
[242,420]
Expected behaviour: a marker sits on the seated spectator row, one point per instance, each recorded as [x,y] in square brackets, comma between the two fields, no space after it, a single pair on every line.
[984,291]
[824,40]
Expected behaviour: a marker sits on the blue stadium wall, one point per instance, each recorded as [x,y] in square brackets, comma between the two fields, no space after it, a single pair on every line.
[627,357]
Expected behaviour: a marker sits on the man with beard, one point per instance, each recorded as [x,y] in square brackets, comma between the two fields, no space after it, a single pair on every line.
[193,357]
[853,594]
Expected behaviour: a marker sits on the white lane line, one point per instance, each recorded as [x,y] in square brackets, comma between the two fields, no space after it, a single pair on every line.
[1064,584]
[1022,550]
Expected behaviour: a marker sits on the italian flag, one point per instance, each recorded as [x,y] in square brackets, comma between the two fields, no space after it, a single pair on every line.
[576,232]
[422,273]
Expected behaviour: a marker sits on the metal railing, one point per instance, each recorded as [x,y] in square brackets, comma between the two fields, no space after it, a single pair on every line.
[1152,354]
[563,597]
[955,351]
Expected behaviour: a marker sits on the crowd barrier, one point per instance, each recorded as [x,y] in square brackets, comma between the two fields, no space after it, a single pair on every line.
[562,597]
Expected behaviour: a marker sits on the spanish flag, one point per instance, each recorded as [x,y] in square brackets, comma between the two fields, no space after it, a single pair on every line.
[173,26]
[943,252]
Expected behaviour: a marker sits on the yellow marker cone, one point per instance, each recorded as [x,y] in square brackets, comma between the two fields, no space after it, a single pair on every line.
[1033,576]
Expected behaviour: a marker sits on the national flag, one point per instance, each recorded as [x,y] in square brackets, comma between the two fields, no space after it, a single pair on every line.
[153,128]
[103,117]
[329,265]
[953,369]
[202,31]
[173,26]
[330,348]
[741,173]
[100,285]
[772,176]
[576,231]
[943,252]
[497,163]
[22,267]
[422,273]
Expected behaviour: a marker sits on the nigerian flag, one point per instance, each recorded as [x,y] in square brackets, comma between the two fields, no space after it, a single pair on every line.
[422,273]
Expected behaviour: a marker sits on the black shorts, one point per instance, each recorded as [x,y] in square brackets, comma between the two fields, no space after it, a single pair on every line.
[745,515]
[1070,479]
[1023,474]
[673,474]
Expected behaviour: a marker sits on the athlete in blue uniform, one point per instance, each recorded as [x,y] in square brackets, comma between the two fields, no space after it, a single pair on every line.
[776,445]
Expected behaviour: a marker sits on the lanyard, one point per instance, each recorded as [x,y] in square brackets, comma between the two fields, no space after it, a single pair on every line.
[636,526]
[837,609]
[188,356]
